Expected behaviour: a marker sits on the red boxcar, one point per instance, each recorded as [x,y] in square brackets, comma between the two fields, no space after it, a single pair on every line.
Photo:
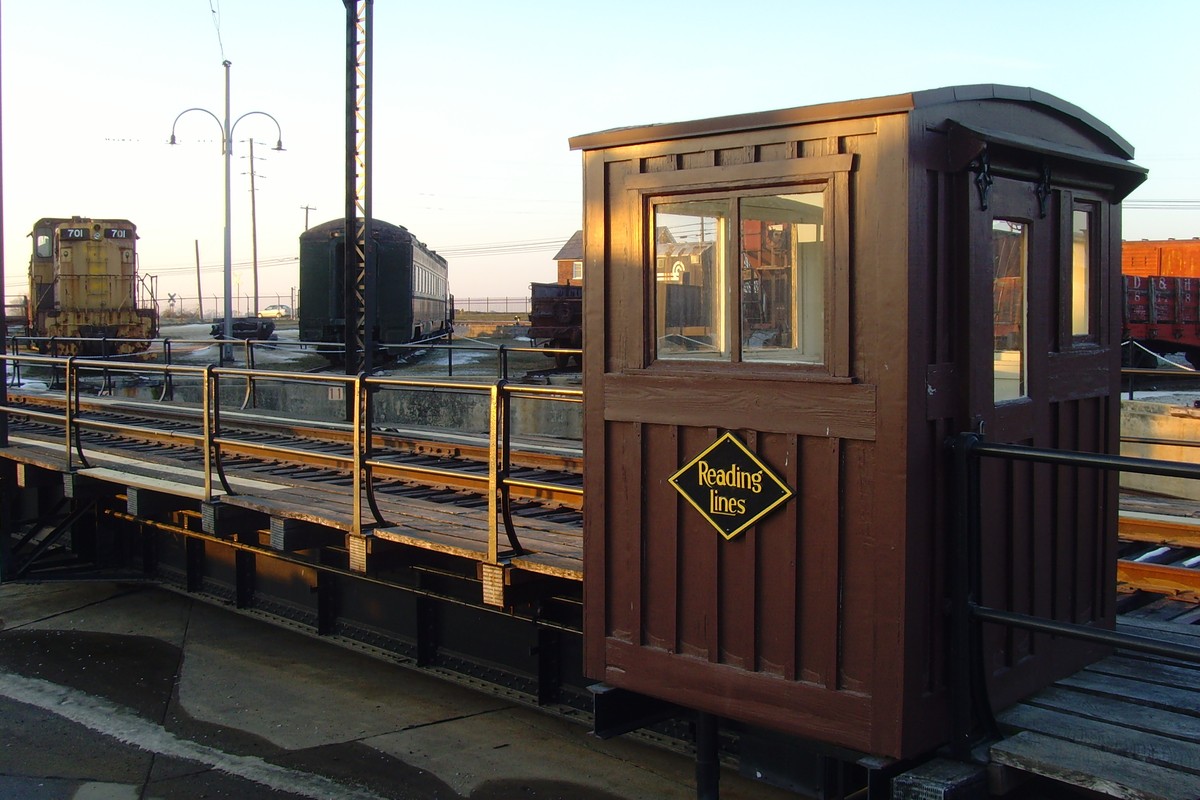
[1160,281]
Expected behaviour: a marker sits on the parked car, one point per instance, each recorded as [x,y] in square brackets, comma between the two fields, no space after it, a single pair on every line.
[276,312]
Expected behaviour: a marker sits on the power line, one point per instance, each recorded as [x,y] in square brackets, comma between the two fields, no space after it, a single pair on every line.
[1163,205]
[216,18]
[517,247]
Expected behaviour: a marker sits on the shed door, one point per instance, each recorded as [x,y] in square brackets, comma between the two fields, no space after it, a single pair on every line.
[1040,372]
[1012,257]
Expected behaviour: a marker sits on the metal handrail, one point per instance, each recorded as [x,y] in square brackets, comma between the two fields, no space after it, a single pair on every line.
[166,345]
[360,461]
[968,688]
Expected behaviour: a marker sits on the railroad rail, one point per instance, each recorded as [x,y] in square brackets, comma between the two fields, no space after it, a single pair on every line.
[1160,554]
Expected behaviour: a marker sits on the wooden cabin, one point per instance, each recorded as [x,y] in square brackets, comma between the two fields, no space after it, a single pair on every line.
[787,314]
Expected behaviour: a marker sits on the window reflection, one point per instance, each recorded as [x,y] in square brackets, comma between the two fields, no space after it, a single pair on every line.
[1009,249]
[689,265]
[783,278]
[772,308]
[1081,273]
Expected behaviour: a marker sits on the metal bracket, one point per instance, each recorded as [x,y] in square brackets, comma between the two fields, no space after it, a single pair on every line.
[1043,191]
[983,177]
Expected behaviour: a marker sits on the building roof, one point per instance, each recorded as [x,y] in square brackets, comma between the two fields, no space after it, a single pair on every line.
[573,249]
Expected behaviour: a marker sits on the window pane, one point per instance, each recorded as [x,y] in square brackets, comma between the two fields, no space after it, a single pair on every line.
[689,264]
[1008,303]
[783,278]
[1080,273]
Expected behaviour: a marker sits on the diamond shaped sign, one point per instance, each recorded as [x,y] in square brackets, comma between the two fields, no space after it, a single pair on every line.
[730,486]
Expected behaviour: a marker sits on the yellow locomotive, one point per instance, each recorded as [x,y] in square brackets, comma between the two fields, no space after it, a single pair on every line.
[84,290]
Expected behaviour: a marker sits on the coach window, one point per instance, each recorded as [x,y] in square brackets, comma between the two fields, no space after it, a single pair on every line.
[742,278]
[1010,246]
[1081,272]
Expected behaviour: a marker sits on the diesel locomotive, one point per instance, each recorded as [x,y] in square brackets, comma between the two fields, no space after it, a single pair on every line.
[84,289]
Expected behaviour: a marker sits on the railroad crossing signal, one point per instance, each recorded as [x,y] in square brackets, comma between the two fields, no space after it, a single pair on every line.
[730,486]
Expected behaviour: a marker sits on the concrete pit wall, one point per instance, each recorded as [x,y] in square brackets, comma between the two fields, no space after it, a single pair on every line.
[1156,420]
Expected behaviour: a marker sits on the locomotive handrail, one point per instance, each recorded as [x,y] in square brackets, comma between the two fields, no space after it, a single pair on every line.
[967,613]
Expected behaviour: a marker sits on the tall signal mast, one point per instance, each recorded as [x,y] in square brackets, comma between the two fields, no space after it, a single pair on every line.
[360,258]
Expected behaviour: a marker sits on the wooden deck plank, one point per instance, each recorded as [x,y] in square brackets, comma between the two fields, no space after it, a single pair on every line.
[1157,629]
[1130,714]
[1162,697]
[428,540]
[550,564]
[283,508]
[1176,675]
[1152,748]
[1106,773]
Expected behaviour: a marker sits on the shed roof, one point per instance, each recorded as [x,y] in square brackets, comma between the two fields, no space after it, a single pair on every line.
[573,249]
[870,107]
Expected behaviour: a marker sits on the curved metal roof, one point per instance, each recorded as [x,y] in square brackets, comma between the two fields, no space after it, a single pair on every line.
[870,107]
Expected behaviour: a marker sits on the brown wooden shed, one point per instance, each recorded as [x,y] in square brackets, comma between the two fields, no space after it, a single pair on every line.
[841,287]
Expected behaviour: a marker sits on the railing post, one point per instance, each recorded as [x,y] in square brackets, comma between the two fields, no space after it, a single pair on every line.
[360,415]
[206,422]
[502,363]
[494,451]
[15,350]
[168,392]
[251,398]
[106,388]
[72,380]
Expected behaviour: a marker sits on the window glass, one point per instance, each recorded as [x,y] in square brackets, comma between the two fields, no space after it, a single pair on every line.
[689,267]
[1009,249]
[45,245]
[758,296]
[577,271]
[782,277]
[1081,273]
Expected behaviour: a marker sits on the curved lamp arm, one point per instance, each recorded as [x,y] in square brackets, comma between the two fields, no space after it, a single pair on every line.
[278,129]
[206,111]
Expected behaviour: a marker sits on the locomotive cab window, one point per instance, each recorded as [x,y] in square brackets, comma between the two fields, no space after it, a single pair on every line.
[742,278]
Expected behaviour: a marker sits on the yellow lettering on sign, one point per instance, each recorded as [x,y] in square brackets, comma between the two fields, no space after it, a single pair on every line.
[734,477]
[726,506]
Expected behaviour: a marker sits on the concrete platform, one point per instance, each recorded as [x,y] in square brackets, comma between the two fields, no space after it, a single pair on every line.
[115,691]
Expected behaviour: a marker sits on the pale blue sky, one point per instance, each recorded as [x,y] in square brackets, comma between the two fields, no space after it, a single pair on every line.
[474,102]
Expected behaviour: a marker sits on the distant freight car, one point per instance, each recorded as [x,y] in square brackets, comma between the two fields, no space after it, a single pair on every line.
[84,288]
[411,298]
[556,318]
[1161,298]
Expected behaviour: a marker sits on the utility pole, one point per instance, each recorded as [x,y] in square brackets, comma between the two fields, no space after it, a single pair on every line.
[253,228]
[306,210]
[199,295]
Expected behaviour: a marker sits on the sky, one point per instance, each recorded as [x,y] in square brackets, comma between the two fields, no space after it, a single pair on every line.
[474,103]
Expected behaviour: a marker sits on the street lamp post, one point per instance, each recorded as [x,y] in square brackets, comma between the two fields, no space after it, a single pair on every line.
[226,150]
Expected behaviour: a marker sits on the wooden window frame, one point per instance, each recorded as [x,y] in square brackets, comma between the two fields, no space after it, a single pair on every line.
[1097,296]
[736,181]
